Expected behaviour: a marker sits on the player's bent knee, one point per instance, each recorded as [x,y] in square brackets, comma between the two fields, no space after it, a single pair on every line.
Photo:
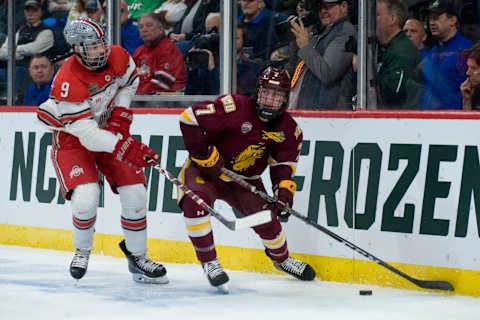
[269,228]
[191,209]
[85,199]
[133,199]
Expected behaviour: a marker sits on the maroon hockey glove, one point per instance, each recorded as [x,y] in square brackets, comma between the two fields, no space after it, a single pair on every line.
[135,153]
[211,165]
[120,121]
[285,193]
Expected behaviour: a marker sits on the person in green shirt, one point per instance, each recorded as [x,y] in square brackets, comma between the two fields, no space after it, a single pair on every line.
[397,60]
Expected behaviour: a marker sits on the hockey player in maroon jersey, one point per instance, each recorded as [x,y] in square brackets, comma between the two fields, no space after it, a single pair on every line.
[244,135]
[89,116]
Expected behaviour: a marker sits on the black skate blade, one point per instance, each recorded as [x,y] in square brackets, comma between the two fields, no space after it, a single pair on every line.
[141,278]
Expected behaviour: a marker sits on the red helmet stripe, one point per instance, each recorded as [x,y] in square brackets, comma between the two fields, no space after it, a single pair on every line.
[95,26]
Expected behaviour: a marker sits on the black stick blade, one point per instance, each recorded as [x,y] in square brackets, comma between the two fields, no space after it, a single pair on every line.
[434,285]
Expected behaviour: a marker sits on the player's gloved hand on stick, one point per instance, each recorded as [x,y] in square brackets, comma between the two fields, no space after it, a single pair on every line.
[120,121]
[284,195]
[134,153]
[211,165]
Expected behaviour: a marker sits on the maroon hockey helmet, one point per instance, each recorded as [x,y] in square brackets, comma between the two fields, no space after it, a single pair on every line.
[273,87]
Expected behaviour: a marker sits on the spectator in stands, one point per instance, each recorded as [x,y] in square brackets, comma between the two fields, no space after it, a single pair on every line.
[33,37]
[248,71]
[19,17]
[58,14]
[397,59]
[185,24]
[41,71]
[180,34]
[160,64]
[324,62]
[78,10]
[94,11]
[444,69]
[415,31]
[55,6]
[470,88]
[129,33]
[170,12]
[56,20]
[206,80]
[86,8]
[137,7]
[260,23]
[287,56]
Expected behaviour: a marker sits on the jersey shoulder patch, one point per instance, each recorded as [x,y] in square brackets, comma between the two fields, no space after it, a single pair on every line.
[228,103]
[66,86]
[118,59]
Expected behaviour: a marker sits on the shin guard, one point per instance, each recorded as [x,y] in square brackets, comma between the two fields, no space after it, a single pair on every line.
[199,229]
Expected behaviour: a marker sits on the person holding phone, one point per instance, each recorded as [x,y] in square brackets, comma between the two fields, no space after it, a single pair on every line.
[323,62]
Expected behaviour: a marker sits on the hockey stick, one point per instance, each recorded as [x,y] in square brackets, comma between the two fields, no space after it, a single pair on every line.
[426,284]
[252,220]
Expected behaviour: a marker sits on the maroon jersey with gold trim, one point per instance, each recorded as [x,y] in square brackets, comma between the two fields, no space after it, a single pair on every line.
[247,144]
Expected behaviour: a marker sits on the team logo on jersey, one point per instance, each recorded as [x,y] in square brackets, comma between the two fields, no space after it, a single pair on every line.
[246,127]
[167,66]
[92,87]
[108,78]
[247,157]
[277,136]
[76,171]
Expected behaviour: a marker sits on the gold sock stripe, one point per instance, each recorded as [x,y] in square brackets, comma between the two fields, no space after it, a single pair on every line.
[275,243]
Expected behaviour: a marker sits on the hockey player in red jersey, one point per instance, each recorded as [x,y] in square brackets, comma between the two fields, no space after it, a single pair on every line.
[244,135]
[89,114]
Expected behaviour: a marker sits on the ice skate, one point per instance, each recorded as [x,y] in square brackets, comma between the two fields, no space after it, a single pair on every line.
[143,269]
[215,275]
[79,264]
[296,268]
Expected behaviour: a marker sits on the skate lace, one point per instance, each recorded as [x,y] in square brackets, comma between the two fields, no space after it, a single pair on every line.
[213,268]
[293,266]
[80,259]
[146,264]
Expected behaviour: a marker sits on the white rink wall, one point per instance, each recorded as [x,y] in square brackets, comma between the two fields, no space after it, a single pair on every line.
[416,183]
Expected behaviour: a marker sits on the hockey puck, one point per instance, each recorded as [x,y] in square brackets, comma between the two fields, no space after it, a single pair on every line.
[365,292]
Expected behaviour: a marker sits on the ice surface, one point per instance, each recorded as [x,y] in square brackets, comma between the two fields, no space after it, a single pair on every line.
[36,284]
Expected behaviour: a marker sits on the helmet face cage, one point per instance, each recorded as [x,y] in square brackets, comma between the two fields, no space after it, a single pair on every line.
[272,93]
[90,37]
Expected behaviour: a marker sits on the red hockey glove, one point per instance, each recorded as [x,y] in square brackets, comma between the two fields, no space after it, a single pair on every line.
[211,165]
[120,121]
[134,153]
[285,192]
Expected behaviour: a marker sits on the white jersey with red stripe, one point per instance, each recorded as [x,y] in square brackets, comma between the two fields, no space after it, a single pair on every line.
[81,100]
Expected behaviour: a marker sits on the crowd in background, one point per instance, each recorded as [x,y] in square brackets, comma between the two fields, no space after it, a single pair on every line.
[426,56]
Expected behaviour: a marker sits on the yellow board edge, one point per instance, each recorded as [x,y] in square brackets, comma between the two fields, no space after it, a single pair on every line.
[466,282]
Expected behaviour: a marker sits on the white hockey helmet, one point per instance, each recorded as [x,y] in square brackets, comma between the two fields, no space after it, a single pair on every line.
[91,39]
